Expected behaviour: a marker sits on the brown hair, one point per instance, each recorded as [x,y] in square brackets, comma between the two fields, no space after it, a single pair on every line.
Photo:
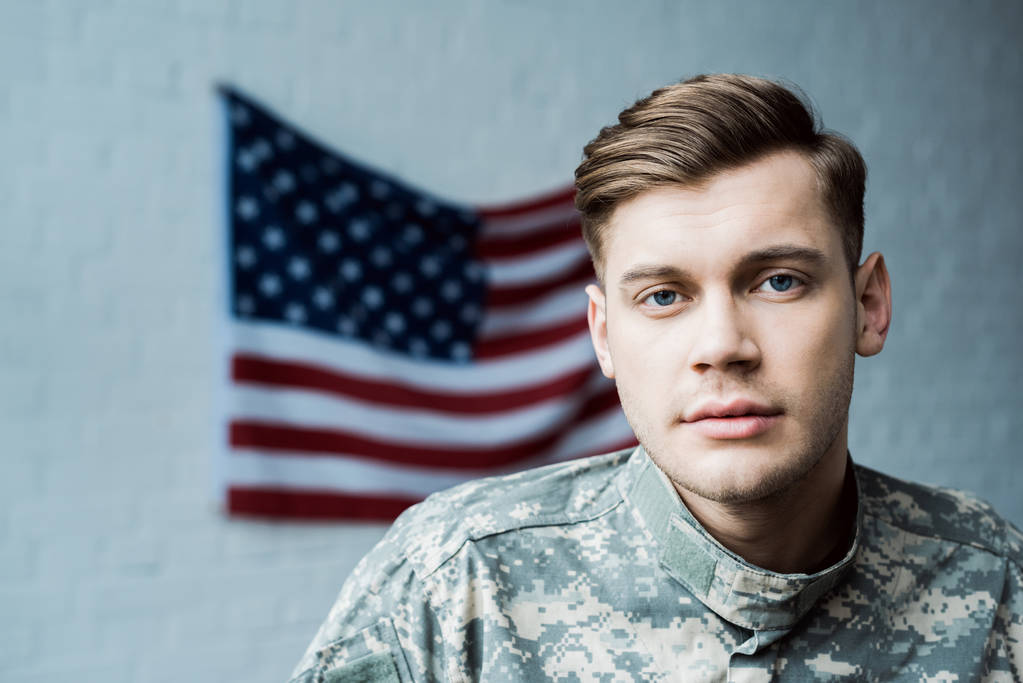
[685,133]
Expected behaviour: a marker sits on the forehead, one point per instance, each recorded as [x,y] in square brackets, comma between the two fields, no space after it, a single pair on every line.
[773,200]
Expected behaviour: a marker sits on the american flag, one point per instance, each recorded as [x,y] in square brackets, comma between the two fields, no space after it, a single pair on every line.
[384,343]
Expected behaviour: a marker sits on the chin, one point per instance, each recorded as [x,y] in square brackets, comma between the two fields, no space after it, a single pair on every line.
[740,475]
[748,488]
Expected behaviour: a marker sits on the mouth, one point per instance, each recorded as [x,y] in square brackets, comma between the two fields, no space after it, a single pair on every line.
[738,419]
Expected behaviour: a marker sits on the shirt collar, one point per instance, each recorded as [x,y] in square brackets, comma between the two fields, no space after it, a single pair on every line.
[746,595]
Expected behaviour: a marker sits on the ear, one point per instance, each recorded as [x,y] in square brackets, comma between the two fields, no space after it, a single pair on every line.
[873,305]
[596,315]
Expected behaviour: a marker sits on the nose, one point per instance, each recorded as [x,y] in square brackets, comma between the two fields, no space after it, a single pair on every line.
[723,339]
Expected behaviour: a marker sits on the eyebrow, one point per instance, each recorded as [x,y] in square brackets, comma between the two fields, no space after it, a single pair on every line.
[781,252]
[652,272]
[785,252]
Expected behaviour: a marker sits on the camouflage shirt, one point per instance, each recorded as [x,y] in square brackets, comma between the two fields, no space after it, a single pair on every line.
[594,570]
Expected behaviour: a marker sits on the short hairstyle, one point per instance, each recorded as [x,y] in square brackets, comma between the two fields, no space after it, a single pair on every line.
[683,134]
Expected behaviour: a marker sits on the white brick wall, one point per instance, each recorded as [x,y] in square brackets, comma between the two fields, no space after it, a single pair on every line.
[114,563]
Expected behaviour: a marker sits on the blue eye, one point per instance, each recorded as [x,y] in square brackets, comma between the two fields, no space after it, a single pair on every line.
[664,297]
[781,283]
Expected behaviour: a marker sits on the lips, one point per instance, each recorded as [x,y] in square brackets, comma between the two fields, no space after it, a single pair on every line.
[738,419]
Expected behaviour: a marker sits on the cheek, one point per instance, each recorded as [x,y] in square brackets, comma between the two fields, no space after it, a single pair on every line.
[641,350]
[649,366]
[632,356]
[815,341]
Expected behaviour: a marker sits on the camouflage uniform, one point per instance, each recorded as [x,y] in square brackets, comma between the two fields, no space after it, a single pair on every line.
[593,570]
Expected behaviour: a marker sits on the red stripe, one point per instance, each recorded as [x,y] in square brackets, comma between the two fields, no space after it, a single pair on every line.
[510,246]
[597,404]
[500,297]
[304,504]
[251,369]
[566,197]
[255,434]
[507,345]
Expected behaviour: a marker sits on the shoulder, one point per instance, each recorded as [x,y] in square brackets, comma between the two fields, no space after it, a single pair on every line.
[390,603]
[433,531]
[940,513]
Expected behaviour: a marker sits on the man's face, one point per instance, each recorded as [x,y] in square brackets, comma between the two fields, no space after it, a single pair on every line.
[728,321]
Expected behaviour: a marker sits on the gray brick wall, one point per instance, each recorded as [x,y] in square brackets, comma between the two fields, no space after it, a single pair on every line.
[114,563]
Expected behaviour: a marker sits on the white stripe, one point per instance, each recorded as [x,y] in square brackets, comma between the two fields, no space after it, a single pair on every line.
[534,221]
[248,467]
[276,340]
[560,305]
[341,474]
[412,427]
[528,269]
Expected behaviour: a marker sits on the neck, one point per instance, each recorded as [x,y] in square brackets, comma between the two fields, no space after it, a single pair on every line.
[803,529]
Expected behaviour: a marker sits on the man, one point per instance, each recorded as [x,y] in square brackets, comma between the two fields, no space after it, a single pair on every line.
[738,542]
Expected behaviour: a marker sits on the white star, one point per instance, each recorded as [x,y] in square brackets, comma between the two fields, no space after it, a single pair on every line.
[284,181]
[273,237]
[470,313]
[413,234]
[246,160]
[306,212]
[422,307]
[285,140]
[246,305]
[329,241]
[451,290]
[262,149]
[299,268]
[473,271]
[430,266]
[425,207]
[270,285]
[379,189]
[240,115]
[247,208]
[346,326]
[401,282]
[457,242]
[381,257]
[295,313]
[246,256]
[351,269]
[323,298]
[395,323]
[380,338]
[359,229]
[440,330]
[460,351]
[342,196]
[372,297]
[417,347]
